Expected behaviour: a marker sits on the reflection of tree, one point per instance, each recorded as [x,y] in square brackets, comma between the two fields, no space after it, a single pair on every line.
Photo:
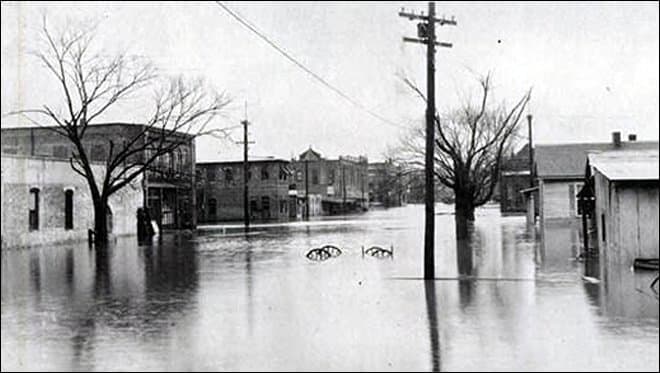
[465,266]
[432,313]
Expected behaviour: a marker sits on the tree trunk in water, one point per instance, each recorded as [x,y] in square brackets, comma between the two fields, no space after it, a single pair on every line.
[464,216]
[101,234]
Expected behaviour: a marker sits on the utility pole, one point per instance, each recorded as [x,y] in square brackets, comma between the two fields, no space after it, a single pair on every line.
[426,34]
[246,170]
[531,151]
[306,189]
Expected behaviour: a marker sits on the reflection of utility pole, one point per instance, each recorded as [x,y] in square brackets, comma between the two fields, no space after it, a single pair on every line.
[246,170]
[426,33]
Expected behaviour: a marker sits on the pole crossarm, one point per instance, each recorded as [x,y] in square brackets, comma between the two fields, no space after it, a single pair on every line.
[442,21]
[425,41]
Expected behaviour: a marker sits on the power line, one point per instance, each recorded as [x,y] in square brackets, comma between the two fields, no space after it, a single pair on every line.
[355,103]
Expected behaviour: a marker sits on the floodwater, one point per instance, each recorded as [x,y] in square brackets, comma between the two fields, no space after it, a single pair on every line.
[219,301]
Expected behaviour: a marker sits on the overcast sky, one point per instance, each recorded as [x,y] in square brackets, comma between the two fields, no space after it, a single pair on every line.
[593,67]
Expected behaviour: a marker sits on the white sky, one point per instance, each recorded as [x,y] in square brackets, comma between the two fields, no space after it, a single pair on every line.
[593,67]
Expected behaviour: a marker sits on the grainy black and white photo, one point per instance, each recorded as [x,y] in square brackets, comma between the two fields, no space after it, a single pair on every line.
[330,186]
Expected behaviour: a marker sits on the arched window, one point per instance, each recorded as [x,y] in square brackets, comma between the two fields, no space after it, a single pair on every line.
[68,209]
[34,209]
[213,207]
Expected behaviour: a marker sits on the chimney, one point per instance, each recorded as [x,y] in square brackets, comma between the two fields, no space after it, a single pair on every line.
[632,137]
[616,139]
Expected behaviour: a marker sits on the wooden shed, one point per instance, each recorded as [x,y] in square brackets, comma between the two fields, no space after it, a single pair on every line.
[626,205]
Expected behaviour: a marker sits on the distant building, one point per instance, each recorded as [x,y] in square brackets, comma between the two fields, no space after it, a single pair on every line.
[44,202]
[168,186]
[220,191]
[560,172]
[515,176]
[625,186]
[340,185]
[388,185]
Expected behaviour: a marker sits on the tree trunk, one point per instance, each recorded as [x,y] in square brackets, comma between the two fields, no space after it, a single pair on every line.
[101,234]
[464,215]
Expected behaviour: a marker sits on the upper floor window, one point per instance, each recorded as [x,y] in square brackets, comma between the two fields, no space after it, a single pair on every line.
[264,173]
[68,209]
[210,174]
[229,175]
[315,177]
[34,209]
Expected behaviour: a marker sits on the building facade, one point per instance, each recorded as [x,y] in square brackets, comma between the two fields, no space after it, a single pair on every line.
[220,191]
[560,172]
[515,176]
[625,186]
[388,185]
[45,202]
[168,184]
[340,185]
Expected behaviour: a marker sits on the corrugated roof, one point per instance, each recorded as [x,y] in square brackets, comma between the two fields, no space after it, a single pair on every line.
[626,165]
[568,160]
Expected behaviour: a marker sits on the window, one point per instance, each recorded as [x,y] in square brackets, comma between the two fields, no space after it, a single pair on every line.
[315,177]
[283,206]
[299,176]
[213,207]
[60,151]
[34,209]
[68,209]
[98,153]
[253,206]
[170,158]
[265,207]
[229,175]
[602,223]
[210,174]
[331,177]
[282,175]
[264,173]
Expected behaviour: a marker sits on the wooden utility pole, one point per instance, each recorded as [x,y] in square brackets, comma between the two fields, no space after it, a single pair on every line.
[306,189]
[426,34]
[531,151]
[246,170]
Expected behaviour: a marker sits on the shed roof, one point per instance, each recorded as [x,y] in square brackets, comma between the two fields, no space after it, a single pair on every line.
[567,161]
[626,165]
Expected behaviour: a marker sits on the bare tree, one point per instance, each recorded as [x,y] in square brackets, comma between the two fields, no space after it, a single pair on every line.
[470,144]
[93,83]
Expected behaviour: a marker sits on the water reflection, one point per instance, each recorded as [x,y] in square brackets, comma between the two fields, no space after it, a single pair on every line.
[432,312]
[231,303]
[465,265]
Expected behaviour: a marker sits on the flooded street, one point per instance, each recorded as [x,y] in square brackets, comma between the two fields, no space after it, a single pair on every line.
[218,301]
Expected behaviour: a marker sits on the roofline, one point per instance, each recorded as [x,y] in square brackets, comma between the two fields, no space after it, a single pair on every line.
[594,143]
[22,128]
[211,163]
[561,177]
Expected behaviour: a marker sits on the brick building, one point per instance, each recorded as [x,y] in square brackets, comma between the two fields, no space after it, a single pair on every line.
[45,202]
[340,185]
[220,191]
[168,185]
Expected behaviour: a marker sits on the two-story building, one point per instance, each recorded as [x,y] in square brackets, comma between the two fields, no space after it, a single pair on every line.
[221,190]
[331,186]
[168,184]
